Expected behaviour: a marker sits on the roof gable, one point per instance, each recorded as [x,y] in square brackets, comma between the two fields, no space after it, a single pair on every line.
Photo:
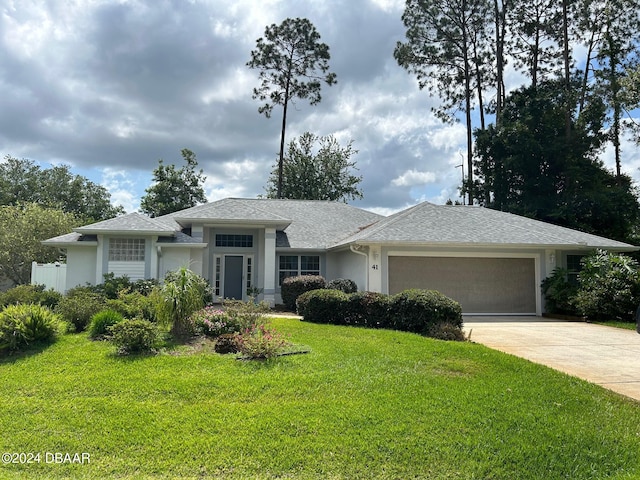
[471,225]
[131,222]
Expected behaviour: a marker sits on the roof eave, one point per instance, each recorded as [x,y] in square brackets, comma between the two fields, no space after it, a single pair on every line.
[569,246]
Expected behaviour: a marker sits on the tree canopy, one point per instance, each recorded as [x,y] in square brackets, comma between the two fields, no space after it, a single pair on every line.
[293,63]
[22,181]
[22,228]
[173,190]
[317,168]
[528,166]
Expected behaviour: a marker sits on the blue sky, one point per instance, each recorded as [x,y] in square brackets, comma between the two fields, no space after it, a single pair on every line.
[112,86]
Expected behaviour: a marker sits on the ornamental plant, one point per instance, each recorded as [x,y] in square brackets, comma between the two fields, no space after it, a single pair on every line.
[211,322]
[25,325]
[261,342]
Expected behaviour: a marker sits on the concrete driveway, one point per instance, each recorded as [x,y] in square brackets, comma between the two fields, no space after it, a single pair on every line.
[606,356]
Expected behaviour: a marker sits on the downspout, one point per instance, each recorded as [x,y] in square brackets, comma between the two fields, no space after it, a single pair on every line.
[366,264]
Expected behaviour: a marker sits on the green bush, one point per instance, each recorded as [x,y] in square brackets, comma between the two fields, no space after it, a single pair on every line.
[133,305]
[609,287]
[182,294]
[418,310]
[24,325]
[559,293]
[101,321]
[343,284]
[293,287]
[368,309]
[111,285]
[30,294]
[261,342]
[134,336]
[323,306]
[79,305]
[226,343]
[425,312]
[211,322]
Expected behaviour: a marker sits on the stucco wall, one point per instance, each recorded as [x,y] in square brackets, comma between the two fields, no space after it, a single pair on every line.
[81,266]
[346,264]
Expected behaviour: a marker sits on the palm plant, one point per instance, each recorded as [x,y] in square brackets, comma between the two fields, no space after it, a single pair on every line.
[181,295]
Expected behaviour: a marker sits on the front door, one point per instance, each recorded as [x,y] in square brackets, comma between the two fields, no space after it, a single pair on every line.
[233,269]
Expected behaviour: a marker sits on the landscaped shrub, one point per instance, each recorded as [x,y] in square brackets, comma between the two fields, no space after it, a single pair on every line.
[343,284]
[133,304]
[111,285]
[418,310]
[368,309]
[211,322]
[445,331]
[134,336]
[24,325]
[101,321]
[323,306]
[559,293]
[30,294]
[245,315]
[293,287]
[609,287]
[261,342]
[79,305]
[182,294]
[226,343]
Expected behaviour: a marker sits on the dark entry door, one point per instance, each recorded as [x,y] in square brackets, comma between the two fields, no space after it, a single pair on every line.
[233,276]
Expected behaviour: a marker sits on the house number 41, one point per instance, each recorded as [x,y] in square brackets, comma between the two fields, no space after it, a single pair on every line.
[374,266]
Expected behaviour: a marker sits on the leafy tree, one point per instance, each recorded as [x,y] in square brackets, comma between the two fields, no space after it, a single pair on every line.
[22,228]
[447,48]
[324,175]
[293,63]
[22,181]
[609,30]
[174,190]
[528,166]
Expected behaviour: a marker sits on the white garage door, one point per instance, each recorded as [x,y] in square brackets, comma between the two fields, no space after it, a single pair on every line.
[480,285]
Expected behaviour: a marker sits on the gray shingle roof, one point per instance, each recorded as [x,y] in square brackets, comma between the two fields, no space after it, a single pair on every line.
[131,222]
[468,225]
[232,210]
[304,224]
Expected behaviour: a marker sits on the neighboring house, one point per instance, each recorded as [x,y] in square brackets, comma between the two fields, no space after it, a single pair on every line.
[491,262]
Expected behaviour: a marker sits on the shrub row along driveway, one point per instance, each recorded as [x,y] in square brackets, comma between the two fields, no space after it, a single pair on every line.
[606,356]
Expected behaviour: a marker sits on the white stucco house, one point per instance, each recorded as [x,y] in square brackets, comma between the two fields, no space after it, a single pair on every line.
[491,262]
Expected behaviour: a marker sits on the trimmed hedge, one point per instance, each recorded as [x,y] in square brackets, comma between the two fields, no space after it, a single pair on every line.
[426,312]
[323,306]
[293,287]
[416,310]
[345,285]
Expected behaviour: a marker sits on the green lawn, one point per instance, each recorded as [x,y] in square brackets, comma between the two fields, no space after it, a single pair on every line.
[363,404]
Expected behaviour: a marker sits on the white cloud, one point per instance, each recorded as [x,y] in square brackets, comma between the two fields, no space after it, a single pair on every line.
[413,177]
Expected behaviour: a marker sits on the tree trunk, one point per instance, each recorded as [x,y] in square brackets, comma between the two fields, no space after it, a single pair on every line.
[282,132]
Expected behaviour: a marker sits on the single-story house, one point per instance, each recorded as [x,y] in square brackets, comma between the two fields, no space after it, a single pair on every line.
[491,262]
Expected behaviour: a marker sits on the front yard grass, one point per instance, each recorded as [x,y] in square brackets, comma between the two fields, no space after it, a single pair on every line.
[363,404]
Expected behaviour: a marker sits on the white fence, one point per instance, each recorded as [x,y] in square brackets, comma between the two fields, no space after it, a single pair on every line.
[52,275]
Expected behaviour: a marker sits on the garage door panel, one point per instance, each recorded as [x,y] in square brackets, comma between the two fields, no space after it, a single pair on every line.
[481,285]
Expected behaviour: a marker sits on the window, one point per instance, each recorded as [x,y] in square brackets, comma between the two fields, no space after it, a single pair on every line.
[216,288]
[288,267]
[309,265]
[294,265]
[573,268]
[126,249]
[232,240]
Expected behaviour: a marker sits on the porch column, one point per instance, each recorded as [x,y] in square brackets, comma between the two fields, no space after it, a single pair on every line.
[270,266]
